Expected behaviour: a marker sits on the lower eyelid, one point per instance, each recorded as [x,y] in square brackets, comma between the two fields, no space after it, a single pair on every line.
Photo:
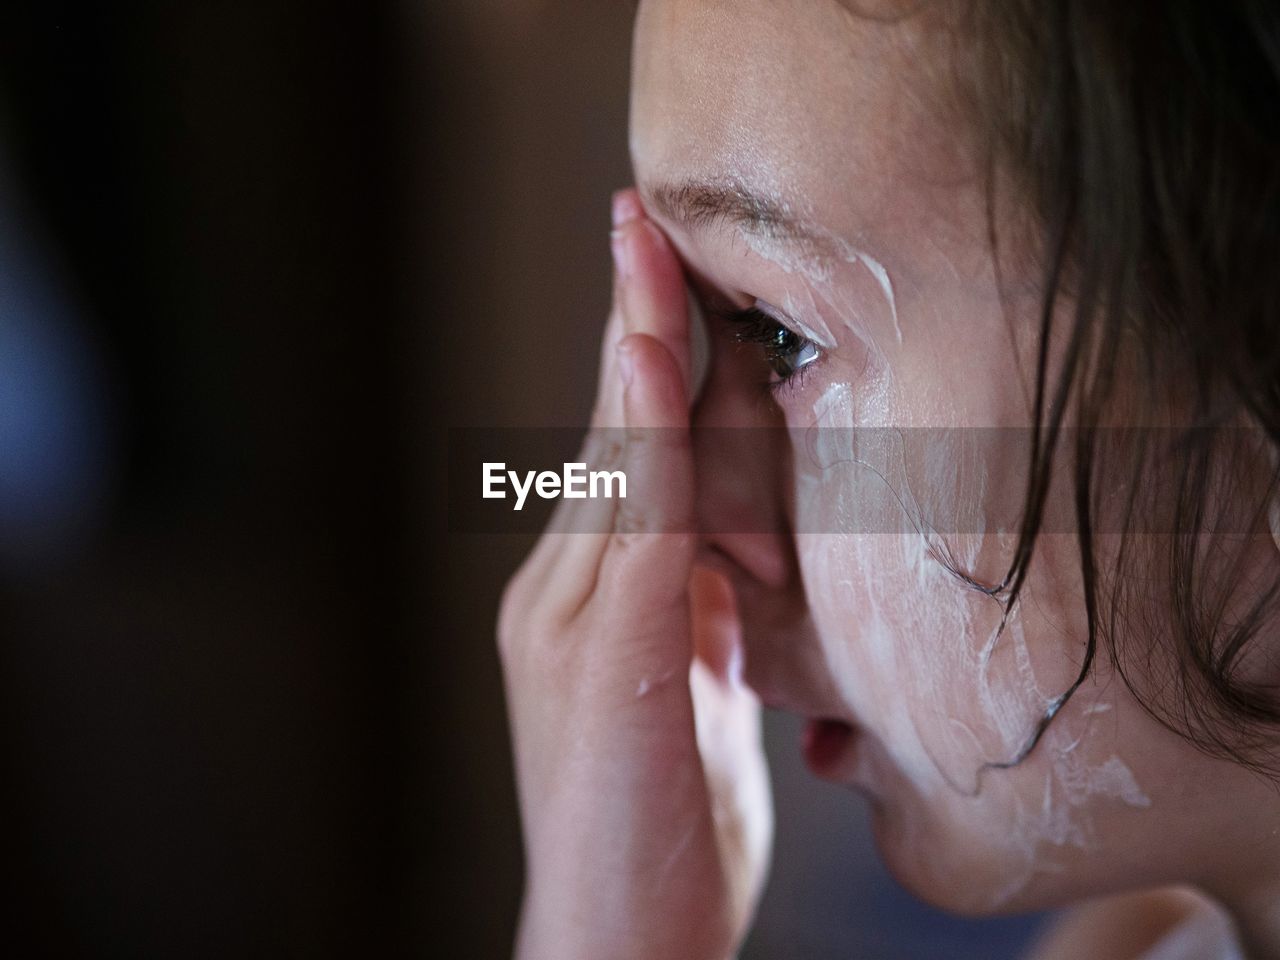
[795,386]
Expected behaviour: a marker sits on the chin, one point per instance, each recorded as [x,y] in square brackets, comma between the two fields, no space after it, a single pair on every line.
[954,867]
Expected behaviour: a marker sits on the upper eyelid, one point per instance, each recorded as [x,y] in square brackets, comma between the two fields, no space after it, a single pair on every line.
[754,326]
[747,318]
[718,305]
[748,326]
[780,318]
[774,315]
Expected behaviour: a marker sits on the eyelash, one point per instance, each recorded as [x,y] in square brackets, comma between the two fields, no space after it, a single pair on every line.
[753,325]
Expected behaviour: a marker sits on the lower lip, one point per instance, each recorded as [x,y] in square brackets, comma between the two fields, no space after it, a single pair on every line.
[827,746]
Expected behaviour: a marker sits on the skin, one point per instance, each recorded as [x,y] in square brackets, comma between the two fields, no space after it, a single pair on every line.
[644,801]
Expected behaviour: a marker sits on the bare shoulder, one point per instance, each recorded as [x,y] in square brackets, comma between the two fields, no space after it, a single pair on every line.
[1127,926]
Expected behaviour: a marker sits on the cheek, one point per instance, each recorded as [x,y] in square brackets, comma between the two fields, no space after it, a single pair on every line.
[922,664]
[941,681]
[928,664]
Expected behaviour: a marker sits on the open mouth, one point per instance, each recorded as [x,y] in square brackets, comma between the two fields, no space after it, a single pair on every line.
[827,744]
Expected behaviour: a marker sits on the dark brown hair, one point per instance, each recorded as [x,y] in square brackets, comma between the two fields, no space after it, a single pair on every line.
[1147,137]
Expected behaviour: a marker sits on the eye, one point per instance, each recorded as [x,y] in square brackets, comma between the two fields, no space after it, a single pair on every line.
[785,351]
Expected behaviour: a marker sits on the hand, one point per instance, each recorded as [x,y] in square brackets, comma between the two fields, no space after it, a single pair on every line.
[643,788]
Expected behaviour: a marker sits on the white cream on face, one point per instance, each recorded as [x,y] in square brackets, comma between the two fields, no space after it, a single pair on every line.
[922,660]
[819,117]
[877,270]
[818,272]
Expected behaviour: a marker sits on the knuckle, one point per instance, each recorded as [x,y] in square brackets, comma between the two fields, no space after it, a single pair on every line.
[630,523]
[603,449]
[665,447]
[610,454]
[636,521]
[645,560]
[641,438]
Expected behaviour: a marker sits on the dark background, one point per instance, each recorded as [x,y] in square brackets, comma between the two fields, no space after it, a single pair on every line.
[255,260]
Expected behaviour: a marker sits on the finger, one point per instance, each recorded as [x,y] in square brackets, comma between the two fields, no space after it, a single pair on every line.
[650,298]
[650,301]
[608,406]
[727,721]
[648,559]
[653,291]
[727,724]
[717,630]
[607,410]
[601,449]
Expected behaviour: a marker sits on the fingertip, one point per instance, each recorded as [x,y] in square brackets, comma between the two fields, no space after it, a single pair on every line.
[625,206]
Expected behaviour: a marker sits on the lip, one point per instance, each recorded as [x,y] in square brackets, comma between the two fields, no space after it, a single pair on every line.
[829,744]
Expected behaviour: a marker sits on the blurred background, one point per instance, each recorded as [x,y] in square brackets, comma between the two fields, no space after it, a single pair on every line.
[255,261]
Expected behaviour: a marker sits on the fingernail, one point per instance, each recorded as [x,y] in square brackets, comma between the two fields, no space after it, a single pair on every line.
[626,207]
[626,364]
[621,254]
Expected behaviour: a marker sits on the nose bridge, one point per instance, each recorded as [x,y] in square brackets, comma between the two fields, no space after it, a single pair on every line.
[742,466]
[738,482]
[744,477]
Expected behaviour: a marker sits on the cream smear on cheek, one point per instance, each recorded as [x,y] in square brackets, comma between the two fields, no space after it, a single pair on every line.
[920,657]
[923,662]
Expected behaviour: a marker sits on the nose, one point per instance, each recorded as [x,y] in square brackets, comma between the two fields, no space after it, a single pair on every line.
[743,462]
[742,456]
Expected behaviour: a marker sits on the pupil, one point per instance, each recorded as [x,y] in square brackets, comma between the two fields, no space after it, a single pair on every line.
[780,350]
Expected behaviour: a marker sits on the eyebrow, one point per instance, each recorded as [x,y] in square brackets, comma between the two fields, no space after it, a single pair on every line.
[705,204]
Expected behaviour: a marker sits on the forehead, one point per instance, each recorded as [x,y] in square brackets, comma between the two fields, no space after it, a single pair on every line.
[812,104]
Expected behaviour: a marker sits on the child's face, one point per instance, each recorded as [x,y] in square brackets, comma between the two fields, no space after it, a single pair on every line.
[805,158]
